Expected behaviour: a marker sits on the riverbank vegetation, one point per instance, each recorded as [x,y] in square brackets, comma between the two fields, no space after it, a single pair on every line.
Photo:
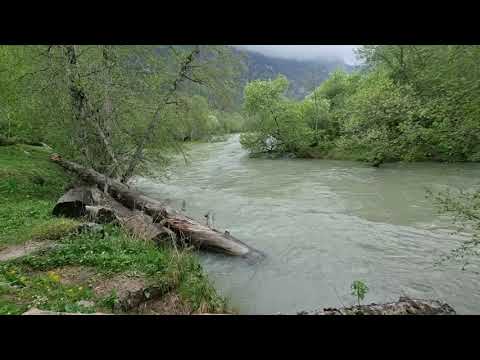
[463,206]
[117,109]
[113,109]
[73,271]
[407,102]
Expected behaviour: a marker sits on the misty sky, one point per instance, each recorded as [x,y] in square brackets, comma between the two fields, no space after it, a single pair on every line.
[305,52]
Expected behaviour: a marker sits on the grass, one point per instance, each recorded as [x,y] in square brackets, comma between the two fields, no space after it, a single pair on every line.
[114,253]
[19,292]
[30,184]
[33,280]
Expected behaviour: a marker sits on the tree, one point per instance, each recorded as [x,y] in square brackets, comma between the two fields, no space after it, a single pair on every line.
[108,106]
[359,290]
[276,123]
[316,113]
[464,209]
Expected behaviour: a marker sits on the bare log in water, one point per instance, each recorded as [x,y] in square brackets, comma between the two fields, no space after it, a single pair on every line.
[185,228]
[404,306]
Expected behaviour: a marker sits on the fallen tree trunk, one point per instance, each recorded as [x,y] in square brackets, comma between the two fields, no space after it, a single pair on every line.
[186,229]
[101,208]
[100,214]
[136,222]
[73,203]
[404,306]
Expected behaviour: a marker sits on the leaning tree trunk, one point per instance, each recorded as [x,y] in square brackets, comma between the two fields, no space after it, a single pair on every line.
[404,306]
[185,228]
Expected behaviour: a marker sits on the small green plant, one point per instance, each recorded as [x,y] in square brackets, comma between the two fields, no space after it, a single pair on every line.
[359,290]
[110,301]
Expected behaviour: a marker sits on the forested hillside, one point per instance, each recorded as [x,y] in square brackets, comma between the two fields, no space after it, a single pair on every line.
[304,75]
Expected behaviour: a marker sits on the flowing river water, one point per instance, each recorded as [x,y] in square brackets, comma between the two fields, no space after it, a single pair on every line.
[322,224]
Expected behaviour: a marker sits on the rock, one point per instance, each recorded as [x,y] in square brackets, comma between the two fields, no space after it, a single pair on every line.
[404,306]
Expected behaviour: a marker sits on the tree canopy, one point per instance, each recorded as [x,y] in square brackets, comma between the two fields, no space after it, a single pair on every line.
[408,102]
[104,106]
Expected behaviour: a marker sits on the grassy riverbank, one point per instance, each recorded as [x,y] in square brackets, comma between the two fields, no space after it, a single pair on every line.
[107,270]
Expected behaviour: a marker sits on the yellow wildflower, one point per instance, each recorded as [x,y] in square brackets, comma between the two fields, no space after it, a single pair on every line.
[53,276]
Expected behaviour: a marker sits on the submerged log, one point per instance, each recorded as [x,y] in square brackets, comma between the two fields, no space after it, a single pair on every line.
[404,306]
[186,229]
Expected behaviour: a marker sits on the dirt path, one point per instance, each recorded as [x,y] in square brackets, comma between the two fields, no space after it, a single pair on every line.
[16,251]
[35,311]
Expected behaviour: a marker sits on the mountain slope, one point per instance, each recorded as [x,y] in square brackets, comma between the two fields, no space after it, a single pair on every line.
[304,75]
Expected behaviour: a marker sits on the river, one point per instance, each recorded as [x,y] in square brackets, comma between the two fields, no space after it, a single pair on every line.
[322,224]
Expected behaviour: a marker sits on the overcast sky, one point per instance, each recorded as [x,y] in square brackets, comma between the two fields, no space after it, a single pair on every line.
[305,52]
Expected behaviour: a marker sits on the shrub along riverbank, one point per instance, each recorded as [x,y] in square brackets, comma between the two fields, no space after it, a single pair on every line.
[104,270]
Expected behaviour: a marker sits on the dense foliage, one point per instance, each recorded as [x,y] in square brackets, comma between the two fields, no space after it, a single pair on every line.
[105,106]
[408,102]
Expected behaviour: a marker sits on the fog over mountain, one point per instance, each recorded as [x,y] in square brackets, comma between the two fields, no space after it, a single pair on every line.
[305,66]
[305,52]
